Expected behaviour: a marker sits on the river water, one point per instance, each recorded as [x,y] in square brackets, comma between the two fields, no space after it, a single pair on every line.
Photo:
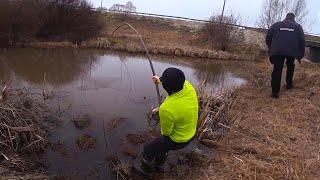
[102,85]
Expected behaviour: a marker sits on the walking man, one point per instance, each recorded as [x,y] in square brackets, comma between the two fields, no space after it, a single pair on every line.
[178,121]
[285,41]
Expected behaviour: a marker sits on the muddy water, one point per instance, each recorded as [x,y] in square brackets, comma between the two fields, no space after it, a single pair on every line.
[104,86]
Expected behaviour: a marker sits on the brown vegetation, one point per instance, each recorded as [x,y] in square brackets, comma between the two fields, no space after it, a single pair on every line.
[72,20]
[273,138]
[121,170]
[265,138]
[131,152]
[86,142]
[219,33]
[82,121]
[23,135]
[162,37]
[115,123]
[143,137]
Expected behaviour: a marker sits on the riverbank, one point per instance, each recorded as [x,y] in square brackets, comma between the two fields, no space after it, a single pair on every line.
[267,138]
[162,37]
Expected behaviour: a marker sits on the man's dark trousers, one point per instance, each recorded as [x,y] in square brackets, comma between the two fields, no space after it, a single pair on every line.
[278,61]
[157,149]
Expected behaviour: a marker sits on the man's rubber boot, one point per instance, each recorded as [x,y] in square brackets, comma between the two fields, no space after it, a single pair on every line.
[289,86]
[159,164]
[143,167]
[275,95]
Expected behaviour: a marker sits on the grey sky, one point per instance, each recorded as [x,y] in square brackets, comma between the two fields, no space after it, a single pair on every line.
[202,9]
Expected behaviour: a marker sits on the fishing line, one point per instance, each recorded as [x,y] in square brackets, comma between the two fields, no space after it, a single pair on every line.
[129,79]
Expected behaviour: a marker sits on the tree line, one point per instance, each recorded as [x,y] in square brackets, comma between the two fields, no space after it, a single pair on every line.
[73,20]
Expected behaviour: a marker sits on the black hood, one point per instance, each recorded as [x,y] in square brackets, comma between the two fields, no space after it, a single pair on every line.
[172,80]
[290,17]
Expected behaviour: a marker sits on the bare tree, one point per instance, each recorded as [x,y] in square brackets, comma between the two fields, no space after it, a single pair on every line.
[300,9]
[219,33]
[275,10]
[129,7]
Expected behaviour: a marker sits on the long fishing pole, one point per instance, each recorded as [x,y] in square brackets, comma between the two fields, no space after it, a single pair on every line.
[147,53]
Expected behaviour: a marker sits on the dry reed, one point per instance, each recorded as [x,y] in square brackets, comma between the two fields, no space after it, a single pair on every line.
[22,132]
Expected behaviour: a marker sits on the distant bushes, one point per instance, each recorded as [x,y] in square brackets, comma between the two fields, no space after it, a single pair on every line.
[73,20]
[18,19]
[219,33]
[70,19]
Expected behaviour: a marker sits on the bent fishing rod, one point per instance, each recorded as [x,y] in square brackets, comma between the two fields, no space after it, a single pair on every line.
[147,54]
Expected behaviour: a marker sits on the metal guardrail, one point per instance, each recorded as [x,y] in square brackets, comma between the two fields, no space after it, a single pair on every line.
[172,17]
[187,19]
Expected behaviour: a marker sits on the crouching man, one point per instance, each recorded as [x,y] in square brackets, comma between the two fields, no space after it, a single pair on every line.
[178,121]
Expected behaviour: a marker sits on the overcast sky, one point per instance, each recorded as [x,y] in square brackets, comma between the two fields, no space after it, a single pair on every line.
[202,9]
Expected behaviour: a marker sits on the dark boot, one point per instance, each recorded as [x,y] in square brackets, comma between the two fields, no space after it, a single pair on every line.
[289,86]
[143,167]
[159,164]
[275,95]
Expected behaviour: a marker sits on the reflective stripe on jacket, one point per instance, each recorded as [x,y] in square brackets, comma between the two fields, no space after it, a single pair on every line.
[179,114]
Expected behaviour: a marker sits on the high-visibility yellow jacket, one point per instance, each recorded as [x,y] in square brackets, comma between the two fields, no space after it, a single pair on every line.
[179,114]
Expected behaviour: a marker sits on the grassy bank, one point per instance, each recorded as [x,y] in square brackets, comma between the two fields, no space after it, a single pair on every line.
[267,138]
[277,139]
[162,36]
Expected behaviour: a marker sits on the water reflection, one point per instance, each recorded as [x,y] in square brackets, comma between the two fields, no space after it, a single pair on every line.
[64,66]
[60,66]
[219,74]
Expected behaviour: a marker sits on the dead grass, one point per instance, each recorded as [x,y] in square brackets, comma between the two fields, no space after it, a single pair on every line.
[271,139]
[121,170]
[115,123]
[140,138]
[129,151]
[82,121]
[86,142]
[23,136]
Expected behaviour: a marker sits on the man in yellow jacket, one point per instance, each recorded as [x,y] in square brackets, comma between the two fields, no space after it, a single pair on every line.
[178,120]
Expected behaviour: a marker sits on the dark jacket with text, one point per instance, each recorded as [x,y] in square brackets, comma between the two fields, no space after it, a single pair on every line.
[286,38]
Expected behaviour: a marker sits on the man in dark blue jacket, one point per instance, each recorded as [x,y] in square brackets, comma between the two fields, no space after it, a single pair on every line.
[285,40]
